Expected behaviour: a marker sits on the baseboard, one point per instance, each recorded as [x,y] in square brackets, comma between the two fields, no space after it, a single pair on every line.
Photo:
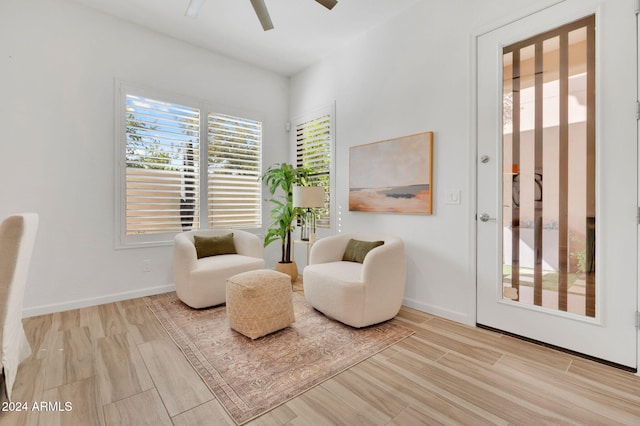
[84,303]
[438,311]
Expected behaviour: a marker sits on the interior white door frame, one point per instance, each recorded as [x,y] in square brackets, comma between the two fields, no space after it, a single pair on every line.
[638,141]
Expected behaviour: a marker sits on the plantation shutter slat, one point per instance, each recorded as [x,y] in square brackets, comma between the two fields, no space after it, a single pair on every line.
[313,151]
[162,166]
[235,191]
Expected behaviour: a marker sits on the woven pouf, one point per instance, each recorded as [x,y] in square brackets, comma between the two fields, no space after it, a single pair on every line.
[259,302]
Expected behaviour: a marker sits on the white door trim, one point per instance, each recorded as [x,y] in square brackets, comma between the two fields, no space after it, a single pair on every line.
[638,141]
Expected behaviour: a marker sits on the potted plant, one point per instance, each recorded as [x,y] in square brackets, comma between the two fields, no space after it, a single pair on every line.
[283,176]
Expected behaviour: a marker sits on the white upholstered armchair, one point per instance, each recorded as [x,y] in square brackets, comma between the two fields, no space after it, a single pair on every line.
[357,294]
[17,237]
[201,282]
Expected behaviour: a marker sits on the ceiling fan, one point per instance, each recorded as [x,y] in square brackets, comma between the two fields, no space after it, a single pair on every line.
[259,7]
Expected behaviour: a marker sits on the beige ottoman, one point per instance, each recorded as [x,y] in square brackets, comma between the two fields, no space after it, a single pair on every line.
[259,302]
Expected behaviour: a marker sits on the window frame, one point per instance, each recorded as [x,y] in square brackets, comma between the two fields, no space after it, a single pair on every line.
[122,89]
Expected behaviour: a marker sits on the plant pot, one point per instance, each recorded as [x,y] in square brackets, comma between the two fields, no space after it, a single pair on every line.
[290,269]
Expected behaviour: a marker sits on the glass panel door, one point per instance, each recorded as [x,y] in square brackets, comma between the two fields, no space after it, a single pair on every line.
[543,193]
[548,163]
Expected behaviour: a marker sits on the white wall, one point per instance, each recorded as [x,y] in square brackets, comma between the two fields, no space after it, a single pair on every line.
[411,75]
[58,65]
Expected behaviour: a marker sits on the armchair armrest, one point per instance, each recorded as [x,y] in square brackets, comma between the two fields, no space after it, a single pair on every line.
[384,272]
[328,249]
[248,244]
[184,257]
[385,263]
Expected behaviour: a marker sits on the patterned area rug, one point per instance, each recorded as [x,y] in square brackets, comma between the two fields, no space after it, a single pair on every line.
[251,377]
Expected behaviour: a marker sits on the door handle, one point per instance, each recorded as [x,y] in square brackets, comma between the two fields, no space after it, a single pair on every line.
[484,217]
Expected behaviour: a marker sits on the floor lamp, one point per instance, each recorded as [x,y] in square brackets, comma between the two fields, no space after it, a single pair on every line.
[308,197]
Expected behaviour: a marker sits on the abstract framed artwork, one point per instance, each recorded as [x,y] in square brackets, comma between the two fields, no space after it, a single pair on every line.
[392,176]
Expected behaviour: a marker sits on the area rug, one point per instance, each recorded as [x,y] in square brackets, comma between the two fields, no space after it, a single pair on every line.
[251,377]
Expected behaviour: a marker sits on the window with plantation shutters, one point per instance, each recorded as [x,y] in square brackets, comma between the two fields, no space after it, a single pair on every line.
[234,167]
[162,166]
[313,151]
[183,166]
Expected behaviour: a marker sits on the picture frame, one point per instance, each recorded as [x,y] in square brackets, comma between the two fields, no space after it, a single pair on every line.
[392,176]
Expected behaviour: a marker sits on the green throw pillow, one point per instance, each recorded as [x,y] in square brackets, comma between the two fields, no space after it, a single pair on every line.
[213,246]
[357,250]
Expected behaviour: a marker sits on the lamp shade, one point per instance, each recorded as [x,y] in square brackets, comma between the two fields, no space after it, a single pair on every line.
[308,196]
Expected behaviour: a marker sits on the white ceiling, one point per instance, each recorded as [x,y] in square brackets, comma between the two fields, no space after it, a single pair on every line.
[305,31]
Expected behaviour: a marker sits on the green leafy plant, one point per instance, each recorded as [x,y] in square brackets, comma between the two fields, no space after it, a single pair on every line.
[283,177]
[580,255]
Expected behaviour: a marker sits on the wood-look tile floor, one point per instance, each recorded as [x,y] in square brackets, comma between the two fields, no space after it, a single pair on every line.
[115,365]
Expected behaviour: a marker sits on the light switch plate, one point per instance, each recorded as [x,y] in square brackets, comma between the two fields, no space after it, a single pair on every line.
[453,196]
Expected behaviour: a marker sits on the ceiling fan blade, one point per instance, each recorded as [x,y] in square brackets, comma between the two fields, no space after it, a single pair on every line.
[263,14]
[329,4]
[194,8]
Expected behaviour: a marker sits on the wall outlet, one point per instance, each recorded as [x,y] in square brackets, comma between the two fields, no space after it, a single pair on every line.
[146,265]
